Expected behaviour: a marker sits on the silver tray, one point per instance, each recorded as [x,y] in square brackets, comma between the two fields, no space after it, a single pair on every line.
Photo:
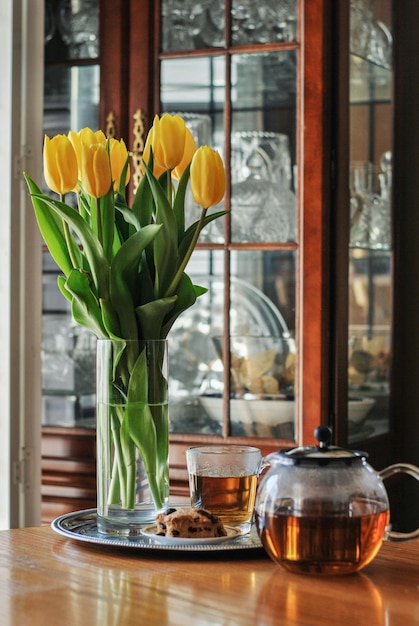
[82,526]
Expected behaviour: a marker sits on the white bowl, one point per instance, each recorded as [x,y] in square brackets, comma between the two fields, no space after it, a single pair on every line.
[269,412]
[358,409]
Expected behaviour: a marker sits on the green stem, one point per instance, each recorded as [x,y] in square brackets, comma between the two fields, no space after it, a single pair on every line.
[82,208]
[169,186]
[156,490]
[128,497]
[68,238]
[99,222]
[115,487]
[187,256]
[118,478]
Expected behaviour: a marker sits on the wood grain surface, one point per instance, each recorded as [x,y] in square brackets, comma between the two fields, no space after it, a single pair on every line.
[48,579]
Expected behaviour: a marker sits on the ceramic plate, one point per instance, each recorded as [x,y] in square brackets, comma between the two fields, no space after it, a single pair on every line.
[150,531]
[82,526]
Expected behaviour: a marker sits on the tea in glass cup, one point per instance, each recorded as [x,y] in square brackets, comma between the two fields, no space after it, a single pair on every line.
[223,480]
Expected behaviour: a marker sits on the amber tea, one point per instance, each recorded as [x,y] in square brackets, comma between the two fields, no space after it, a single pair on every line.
[232,498]
[323,545]
[223,480]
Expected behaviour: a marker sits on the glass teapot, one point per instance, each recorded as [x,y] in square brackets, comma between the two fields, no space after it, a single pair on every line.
[323,509]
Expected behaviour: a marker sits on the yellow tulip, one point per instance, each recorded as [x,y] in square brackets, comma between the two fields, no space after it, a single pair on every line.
[170,139]
[118,154]
[60,164]
[208,177]
[167,139]
[189,151]
[96,177]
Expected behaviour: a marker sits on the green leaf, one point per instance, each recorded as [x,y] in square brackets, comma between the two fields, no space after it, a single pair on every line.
[107,218]
[84,206]
[187,294]
[61,282]
[185,243]
[128,455]
[92,248]
[140,424]
[165,246]
[120,368]
[51,227]
[128,215]
[179,203]
[124,278]
[110,319]
[85,307]
[143,203]
[147,276]
[122,179]
[118,479]
[152,314]
[117,239]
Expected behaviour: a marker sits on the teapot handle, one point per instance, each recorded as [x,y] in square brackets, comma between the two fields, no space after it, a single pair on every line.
[391,470]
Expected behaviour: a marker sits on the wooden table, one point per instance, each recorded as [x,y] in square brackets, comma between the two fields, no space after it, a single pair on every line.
[47,579]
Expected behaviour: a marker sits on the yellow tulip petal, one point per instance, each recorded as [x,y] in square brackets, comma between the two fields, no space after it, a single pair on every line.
[150,144]
[87,136]
[96,170]
[100,136]
[189,151]
[118,155]
[76,143]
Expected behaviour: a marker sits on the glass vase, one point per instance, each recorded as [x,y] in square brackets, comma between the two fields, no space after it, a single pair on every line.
[132,434]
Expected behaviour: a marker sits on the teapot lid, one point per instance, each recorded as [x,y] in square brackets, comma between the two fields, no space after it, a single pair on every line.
[323,453]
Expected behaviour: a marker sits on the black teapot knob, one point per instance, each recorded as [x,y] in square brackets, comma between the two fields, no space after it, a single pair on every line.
[323,434]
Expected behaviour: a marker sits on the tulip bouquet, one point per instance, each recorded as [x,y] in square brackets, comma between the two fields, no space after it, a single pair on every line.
[123,267]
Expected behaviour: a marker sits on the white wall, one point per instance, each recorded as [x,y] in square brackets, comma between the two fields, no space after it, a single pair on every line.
[21,93]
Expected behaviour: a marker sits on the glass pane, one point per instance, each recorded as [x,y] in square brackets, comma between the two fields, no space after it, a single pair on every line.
[263,22]
[71,98]
[262,350]
[191,25]
[68,359]
[195,25]
[196,85]
[262,346]
[263,147]
[370,256]
[193,352]
[71,30]
[369,342]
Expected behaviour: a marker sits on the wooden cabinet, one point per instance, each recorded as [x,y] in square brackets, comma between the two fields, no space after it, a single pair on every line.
[249,91]
[68,471]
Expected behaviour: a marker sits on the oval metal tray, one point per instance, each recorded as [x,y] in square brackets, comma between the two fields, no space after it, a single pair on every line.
[82,526]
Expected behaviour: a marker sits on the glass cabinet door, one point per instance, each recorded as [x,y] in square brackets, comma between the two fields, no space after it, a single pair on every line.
[249,359]
[233,355]
[370,239]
